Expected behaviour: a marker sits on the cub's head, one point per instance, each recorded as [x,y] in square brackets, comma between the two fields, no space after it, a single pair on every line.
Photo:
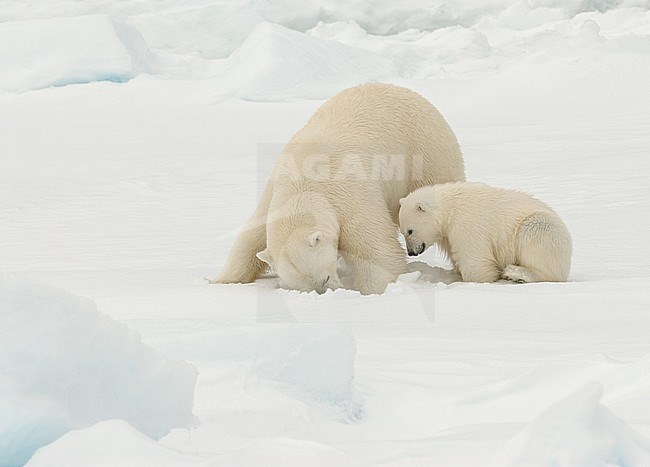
[417,221]
[305,261]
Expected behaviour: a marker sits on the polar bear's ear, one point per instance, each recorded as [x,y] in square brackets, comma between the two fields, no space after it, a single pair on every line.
[264,256]
[315,238]
[424,206]
[401,201]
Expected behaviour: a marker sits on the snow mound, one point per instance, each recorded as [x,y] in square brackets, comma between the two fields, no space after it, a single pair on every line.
[577,430]
[453,50]
[212,29]
[316,360]
[110,443]
[64,365]
[37,54]
[274,51]
[384,17]
[275,63]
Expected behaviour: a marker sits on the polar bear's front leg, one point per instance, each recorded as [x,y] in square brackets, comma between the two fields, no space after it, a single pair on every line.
[478,268]
[374,261]
[372,275]
[242,265]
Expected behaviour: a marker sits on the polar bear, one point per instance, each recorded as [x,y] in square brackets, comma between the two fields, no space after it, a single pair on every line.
[488,233]
[336,187]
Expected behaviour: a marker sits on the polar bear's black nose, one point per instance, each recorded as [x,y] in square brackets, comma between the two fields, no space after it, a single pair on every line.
[420,248]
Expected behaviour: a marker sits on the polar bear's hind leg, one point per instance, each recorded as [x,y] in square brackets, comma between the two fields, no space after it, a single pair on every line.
[543,249]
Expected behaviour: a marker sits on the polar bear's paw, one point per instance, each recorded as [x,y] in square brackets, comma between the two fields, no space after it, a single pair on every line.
[518,274]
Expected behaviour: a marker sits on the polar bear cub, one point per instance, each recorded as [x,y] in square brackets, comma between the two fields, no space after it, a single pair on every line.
[488,233]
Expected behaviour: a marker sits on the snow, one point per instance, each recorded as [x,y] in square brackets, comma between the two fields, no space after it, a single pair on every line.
[286,50]
[37,54]
[577,430]
[115,442]
[317,361]
[276,63]
[63,365]
[110,443]
[128,188]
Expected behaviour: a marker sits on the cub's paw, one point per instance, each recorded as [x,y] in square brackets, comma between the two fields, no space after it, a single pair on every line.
[517,274]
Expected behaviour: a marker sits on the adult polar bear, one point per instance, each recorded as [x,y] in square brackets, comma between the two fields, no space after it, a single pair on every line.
[336,189]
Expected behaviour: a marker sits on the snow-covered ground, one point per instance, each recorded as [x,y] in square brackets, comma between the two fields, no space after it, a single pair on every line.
[135,138]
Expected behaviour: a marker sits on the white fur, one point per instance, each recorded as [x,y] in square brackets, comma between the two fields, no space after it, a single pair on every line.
[488,233]
[336,189]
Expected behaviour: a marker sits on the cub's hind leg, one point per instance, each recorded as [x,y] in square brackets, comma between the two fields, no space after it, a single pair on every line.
[543,249]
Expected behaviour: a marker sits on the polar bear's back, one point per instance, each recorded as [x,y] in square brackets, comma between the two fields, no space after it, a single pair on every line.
[394,133]
[372,109]
[383,116]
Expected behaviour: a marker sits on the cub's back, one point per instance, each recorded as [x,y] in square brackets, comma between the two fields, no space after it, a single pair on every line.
[477,205]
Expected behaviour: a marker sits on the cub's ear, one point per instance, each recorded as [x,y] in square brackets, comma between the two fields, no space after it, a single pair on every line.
[315,238]
[424,206]
[264,256]
[401,201]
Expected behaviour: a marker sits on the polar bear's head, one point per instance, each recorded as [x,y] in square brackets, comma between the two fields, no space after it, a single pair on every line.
[418,221]
[307,260]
